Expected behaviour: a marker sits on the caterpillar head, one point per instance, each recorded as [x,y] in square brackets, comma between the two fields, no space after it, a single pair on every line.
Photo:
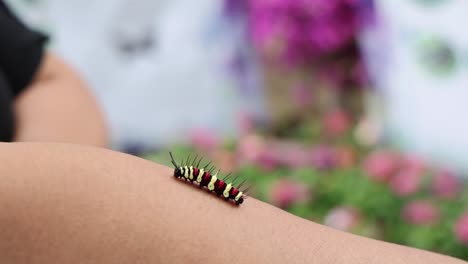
[177,172]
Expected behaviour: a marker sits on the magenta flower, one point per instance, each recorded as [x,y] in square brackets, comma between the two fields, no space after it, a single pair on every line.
[381,164]
[406,182]
[343,218]
[323,157]
[336,123]
[446,185]
[204,139]
[309,32]
[420,212]
[286,192]
[461,229]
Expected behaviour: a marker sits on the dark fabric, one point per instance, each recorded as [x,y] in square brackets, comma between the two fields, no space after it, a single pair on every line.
[6,113]
[21,51]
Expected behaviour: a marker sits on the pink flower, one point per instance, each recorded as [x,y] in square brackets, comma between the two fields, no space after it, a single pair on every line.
[204,139]
[336,123]
[414,163]
[286,192]
[420,212]
[293,155]
[245,122]
[461,228]
[406,182]
[250,147]
[343,218]
[446,185]
[380,165]
[267,159]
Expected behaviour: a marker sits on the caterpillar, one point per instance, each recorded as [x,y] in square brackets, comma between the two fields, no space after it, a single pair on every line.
[204,178]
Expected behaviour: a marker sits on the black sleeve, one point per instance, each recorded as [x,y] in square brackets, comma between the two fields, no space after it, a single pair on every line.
[21,50]
[6,111]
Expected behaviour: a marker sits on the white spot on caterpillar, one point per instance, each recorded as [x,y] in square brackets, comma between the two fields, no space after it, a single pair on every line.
[200,175]
[226,191]
[211,186]
[191,173]
[239,195]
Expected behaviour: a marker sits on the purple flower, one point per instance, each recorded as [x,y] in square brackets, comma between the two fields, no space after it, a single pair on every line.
[420,212]
[323,157]
[446,185]
[461,229]
[295,157]
[305,31]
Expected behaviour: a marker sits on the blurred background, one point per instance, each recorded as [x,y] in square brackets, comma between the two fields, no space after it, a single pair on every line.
[351,113]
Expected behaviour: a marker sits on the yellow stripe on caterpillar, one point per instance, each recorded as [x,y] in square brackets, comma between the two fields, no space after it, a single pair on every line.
[200,175]
[239,195]
[211,185]
[186,172]
[226,191]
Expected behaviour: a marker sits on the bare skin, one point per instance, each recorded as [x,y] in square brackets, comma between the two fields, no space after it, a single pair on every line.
[58,106]
[75,204]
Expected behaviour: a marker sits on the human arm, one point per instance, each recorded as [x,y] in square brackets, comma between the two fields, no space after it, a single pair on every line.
[75,204]
[58,106]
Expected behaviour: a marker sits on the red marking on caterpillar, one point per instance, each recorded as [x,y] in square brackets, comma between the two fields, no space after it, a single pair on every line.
[190,171]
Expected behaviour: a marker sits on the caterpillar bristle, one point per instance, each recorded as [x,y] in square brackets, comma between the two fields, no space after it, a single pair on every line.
[208,164]
[242,183]
[198,164]
[227,177]
[247,189]
[172,160]
[194,160]
[205,177]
